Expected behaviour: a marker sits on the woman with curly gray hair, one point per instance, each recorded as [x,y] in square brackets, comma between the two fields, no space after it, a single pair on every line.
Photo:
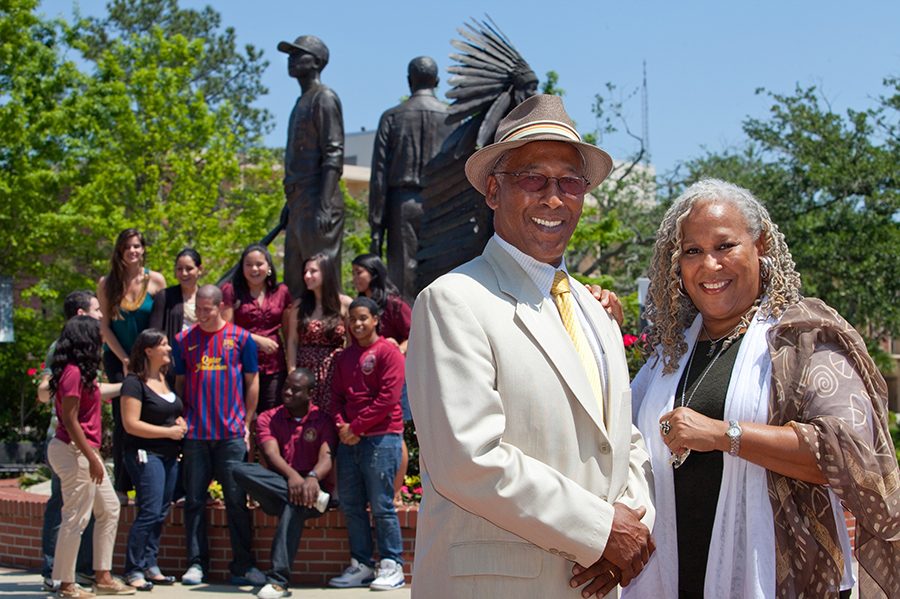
[763,414]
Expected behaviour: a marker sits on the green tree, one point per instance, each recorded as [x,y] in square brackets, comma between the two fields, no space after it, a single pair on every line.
[127,140]
[223,73]
[614,238]
[830,182]
[36,86]
[551,85]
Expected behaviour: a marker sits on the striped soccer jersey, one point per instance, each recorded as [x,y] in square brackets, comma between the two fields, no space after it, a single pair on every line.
[213,366]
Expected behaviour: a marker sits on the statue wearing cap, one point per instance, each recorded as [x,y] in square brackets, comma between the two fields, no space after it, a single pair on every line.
[519,388]
[313,215]
[409,135]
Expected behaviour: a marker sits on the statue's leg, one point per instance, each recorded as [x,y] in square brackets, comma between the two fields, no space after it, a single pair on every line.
[412,219]
[294,233]
[404,216]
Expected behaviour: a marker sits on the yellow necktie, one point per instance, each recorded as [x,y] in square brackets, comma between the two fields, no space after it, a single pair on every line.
[562,297]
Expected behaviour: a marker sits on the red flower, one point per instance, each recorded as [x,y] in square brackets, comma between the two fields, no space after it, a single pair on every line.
[417,490]
[629,340]
[32,371]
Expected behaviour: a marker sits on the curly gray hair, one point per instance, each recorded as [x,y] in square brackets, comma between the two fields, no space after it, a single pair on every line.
[671,311]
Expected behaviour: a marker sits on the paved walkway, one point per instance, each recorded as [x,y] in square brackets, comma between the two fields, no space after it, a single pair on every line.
[22,583]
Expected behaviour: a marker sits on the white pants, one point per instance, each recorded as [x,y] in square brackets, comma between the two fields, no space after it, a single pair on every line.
[81,496]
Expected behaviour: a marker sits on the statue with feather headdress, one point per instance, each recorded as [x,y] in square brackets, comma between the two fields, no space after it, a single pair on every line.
[489,79]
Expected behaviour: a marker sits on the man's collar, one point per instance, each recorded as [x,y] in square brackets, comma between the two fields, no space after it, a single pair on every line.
[219,329]
[287,415]
[539,272]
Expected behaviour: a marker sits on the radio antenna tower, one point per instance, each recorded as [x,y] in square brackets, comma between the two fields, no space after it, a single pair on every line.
[645,118]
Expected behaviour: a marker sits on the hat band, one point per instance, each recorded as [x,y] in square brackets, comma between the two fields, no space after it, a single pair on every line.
[542,127]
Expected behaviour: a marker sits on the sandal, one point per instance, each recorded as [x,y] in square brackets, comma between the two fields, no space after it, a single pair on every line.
[138,582]
[141,584]
[156,577]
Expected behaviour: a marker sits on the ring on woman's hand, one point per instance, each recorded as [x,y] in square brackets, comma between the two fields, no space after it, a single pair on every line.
[665,428]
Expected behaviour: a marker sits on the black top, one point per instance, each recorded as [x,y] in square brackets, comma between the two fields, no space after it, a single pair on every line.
[168,315]
[154,410]
[697,481]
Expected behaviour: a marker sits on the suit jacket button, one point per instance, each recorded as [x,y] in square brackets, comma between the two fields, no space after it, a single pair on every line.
[604,448]
[568,556]
[554,551]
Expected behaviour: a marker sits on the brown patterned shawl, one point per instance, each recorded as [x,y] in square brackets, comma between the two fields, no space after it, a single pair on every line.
[817,393]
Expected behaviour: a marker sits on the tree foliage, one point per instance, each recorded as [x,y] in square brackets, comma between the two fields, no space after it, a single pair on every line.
[830,181]
[223,73]
[551,85]
[615,235]
[125,137]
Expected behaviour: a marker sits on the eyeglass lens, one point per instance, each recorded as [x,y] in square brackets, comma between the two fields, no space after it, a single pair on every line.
[534,182]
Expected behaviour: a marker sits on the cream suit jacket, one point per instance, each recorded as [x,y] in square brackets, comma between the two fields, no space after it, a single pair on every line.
[519,472]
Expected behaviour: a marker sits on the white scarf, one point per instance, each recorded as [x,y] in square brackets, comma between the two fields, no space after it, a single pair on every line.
[741,559]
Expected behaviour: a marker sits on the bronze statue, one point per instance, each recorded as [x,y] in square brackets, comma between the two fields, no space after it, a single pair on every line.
[490,79]
[313,214]
[409,135]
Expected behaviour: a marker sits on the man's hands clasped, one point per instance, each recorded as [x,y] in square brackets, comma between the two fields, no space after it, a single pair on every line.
[627,551]
[303,490]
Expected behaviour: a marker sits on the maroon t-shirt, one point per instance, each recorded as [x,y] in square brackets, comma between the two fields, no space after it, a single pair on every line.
[89,412]
[396,319]
[262,319]
[366,388]
[298,440]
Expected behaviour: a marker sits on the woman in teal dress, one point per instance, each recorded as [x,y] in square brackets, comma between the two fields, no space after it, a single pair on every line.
[126,300]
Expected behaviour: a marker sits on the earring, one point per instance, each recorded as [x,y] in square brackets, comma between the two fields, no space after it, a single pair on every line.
[269,273]
[681,290]
[765,268]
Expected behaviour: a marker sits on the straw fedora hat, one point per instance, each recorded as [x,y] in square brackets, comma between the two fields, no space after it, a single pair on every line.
[539,118]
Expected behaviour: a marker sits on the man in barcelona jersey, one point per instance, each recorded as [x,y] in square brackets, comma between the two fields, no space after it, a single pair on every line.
[216,376]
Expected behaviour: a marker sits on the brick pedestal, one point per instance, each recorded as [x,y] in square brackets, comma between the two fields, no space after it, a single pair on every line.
[324,549]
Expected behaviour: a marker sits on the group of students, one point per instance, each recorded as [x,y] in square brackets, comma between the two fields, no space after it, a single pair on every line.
[188,368]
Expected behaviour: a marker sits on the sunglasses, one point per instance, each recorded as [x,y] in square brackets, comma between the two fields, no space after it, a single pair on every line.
[534,182]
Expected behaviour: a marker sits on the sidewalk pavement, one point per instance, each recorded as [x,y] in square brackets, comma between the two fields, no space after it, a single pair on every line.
[24,584]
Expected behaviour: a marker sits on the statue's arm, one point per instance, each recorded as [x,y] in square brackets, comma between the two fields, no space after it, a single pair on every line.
[331,141]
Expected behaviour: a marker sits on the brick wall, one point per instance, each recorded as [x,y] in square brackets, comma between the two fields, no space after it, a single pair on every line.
[323,553]
[324,550]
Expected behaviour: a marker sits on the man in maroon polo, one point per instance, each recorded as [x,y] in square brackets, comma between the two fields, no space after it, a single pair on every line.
[297,440]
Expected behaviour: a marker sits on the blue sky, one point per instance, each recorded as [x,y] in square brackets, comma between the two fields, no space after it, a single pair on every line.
[704,59]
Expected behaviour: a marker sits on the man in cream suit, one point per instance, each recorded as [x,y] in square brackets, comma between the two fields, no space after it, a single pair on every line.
[535,482]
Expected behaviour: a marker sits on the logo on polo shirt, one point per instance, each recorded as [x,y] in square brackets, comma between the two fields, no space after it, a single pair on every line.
[368,363]
[228,344]
[310,435]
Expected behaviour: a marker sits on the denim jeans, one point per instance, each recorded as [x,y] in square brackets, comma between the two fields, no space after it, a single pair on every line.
[271,491]
[404,404]
[52,520]
[154,482]
[365,473]
[203,461]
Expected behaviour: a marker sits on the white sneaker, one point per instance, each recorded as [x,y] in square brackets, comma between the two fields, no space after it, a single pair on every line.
[390,576]
[272,591]
[193,575]
[50,585]
[355,575]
